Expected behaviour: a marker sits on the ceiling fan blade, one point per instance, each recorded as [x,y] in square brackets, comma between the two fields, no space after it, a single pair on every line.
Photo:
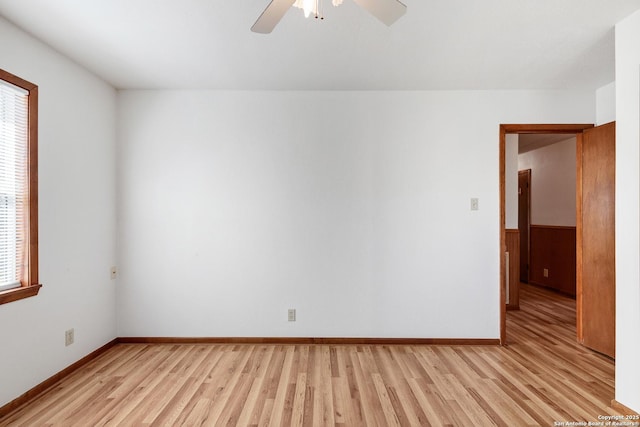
[271,16]
[387,11]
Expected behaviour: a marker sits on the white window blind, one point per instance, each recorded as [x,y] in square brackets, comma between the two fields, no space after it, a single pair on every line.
[14,125]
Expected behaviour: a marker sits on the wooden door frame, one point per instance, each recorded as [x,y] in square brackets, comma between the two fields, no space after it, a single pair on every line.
[570,129]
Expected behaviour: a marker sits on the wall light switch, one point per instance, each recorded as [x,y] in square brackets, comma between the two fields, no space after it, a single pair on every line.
[474,204]
[291,315]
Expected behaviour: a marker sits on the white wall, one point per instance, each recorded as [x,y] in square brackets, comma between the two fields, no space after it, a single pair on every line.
[77,219]
[553,183]
[358,219]
[511,181]
[352,207]
[606,104]
[627,211]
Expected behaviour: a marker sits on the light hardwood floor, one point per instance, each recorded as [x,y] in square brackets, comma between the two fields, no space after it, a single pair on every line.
[540,377]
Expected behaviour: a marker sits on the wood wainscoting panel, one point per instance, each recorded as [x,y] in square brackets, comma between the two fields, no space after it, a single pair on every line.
[512,241]
[553,248]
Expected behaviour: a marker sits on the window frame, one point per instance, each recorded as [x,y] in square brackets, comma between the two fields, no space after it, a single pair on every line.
[29,283]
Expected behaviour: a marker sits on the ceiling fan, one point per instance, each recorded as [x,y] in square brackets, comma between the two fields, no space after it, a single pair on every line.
[387,11]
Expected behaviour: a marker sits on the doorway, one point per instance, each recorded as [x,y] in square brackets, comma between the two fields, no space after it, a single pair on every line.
[594,231]
[568,130]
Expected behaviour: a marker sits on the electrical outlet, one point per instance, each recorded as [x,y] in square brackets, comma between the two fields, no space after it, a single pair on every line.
[545,272]
[292,315]
[69,337]
[474,204]
[114,272]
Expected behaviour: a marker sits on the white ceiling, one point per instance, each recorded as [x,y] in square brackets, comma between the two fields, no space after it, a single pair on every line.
[438,44]
[533,141]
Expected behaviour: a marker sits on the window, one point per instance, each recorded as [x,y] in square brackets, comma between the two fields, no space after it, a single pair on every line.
[18,188]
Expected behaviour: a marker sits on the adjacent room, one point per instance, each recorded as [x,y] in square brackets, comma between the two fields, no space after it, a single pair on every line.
[309,212]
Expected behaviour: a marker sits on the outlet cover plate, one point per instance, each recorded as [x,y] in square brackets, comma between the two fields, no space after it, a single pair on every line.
[69,337]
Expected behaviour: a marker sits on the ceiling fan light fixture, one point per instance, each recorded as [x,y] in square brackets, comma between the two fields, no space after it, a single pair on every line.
[313,7]
[387,11]
[307,6]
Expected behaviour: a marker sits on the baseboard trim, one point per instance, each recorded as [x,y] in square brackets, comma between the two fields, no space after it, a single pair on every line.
[49,382]
[307,341]
[622,408]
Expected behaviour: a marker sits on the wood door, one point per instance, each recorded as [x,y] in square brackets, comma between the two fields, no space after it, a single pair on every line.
[596,249]
[524,221]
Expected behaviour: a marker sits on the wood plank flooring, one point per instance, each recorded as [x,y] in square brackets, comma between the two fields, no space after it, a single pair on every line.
[542,376]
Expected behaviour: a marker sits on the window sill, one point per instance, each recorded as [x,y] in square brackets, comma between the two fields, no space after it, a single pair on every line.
[19,293]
